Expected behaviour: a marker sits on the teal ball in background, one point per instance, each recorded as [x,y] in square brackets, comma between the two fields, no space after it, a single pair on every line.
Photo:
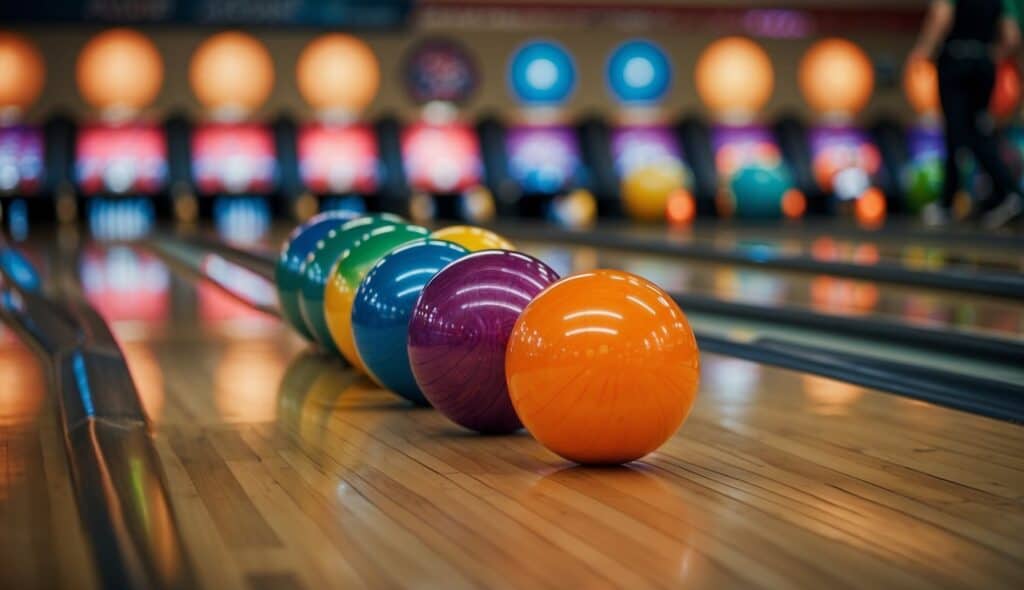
[758,190]
[384,305]
[298,245]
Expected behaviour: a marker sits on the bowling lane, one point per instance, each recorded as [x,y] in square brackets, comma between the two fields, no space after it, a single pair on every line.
[41,541]
[287,469]
[821,241]
[914,306]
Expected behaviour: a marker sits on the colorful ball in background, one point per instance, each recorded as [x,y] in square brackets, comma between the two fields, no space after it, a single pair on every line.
[922,180]
[297,247]
[602,367]
[1006,94]
[768,192]
[459,331]
[542,73]
[646,189]
[472,238]
[577,209]
[440,70]
[383,306]
[638,72]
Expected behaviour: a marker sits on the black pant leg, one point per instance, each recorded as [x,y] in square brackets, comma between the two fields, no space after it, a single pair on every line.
[982,138]
[956,115]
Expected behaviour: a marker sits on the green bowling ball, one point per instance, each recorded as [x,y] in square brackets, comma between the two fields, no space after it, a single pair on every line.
[922,183]
[758,191]
[348,272]
[314,270]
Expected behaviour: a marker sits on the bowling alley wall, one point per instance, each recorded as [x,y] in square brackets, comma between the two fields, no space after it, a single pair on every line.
[491,47]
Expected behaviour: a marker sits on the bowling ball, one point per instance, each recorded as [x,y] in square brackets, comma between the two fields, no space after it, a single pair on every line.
[348,272]
[317,266]
[459,331]
[576,209]
[760,191]
[383,307]
[870,208]
[681,208]
[647,189]
[602,367]
[923,183]
[473,238]
[296,248]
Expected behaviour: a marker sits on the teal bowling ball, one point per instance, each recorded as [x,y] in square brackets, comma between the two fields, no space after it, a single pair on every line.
[316,268]
[922,182]
[383,308]
[287,273]
[758,190]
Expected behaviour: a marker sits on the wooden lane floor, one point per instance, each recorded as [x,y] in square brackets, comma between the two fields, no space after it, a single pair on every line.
[288,470]
[41,540]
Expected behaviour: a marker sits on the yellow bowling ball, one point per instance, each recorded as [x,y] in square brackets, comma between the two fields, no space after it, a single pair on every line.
[647,189]
[473,238]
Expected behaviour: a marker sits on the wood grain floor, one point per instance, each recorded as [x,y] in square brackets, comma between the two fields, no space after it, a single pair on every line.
[286,470]
[41,539]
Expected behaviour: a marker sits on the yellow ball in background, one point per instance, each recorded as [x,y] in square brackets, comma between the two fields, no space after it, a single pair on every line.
[647,189]
[473,238]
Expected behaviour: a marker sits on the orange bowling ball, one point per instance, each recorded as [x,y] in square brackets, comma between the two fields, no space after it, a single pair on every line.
[921,85]
[602,367]
[1006,94]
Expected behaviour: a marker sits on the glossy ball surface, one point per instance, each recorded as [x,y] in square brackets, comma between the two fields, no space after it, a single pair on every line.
[473,238]
[459,331]
[317,267]
[383,307]
[602,367]
[348,272]
[287,272]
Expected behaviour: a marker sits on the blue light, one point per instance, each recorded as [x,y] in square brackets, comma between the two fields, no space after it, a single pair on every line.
[82,379]
[639,72]
[542,72]
[20,270]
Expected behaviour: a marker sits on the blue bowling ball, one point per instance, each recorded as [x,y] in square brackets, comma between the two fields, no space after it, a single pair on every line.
[287,273]
[384,305]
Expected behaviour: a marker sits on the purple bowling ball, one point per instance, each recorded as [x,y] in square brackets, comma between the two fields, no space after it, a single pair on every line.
[458,333]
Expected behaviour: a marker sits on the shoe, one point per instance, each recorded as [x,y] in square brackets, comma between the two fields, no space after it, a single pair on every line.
[1003,213]
[935,215]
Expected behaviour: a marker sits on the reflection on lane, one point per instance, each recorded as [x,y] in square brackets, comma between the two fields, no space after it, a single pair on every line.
[822,293]
[826,247]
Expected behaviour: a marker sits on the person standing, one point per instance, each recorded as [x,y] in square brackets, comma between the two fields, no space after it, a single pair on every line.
[967,38]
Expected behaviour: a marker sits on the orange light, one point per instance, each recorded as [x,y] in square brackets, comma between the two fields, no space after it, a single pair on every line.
[338,72]
[870,208]
[681,208]
[22,72]
[921,85]
[794,204]
[836,77]
[734,77]
[119,69]
[231,72]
